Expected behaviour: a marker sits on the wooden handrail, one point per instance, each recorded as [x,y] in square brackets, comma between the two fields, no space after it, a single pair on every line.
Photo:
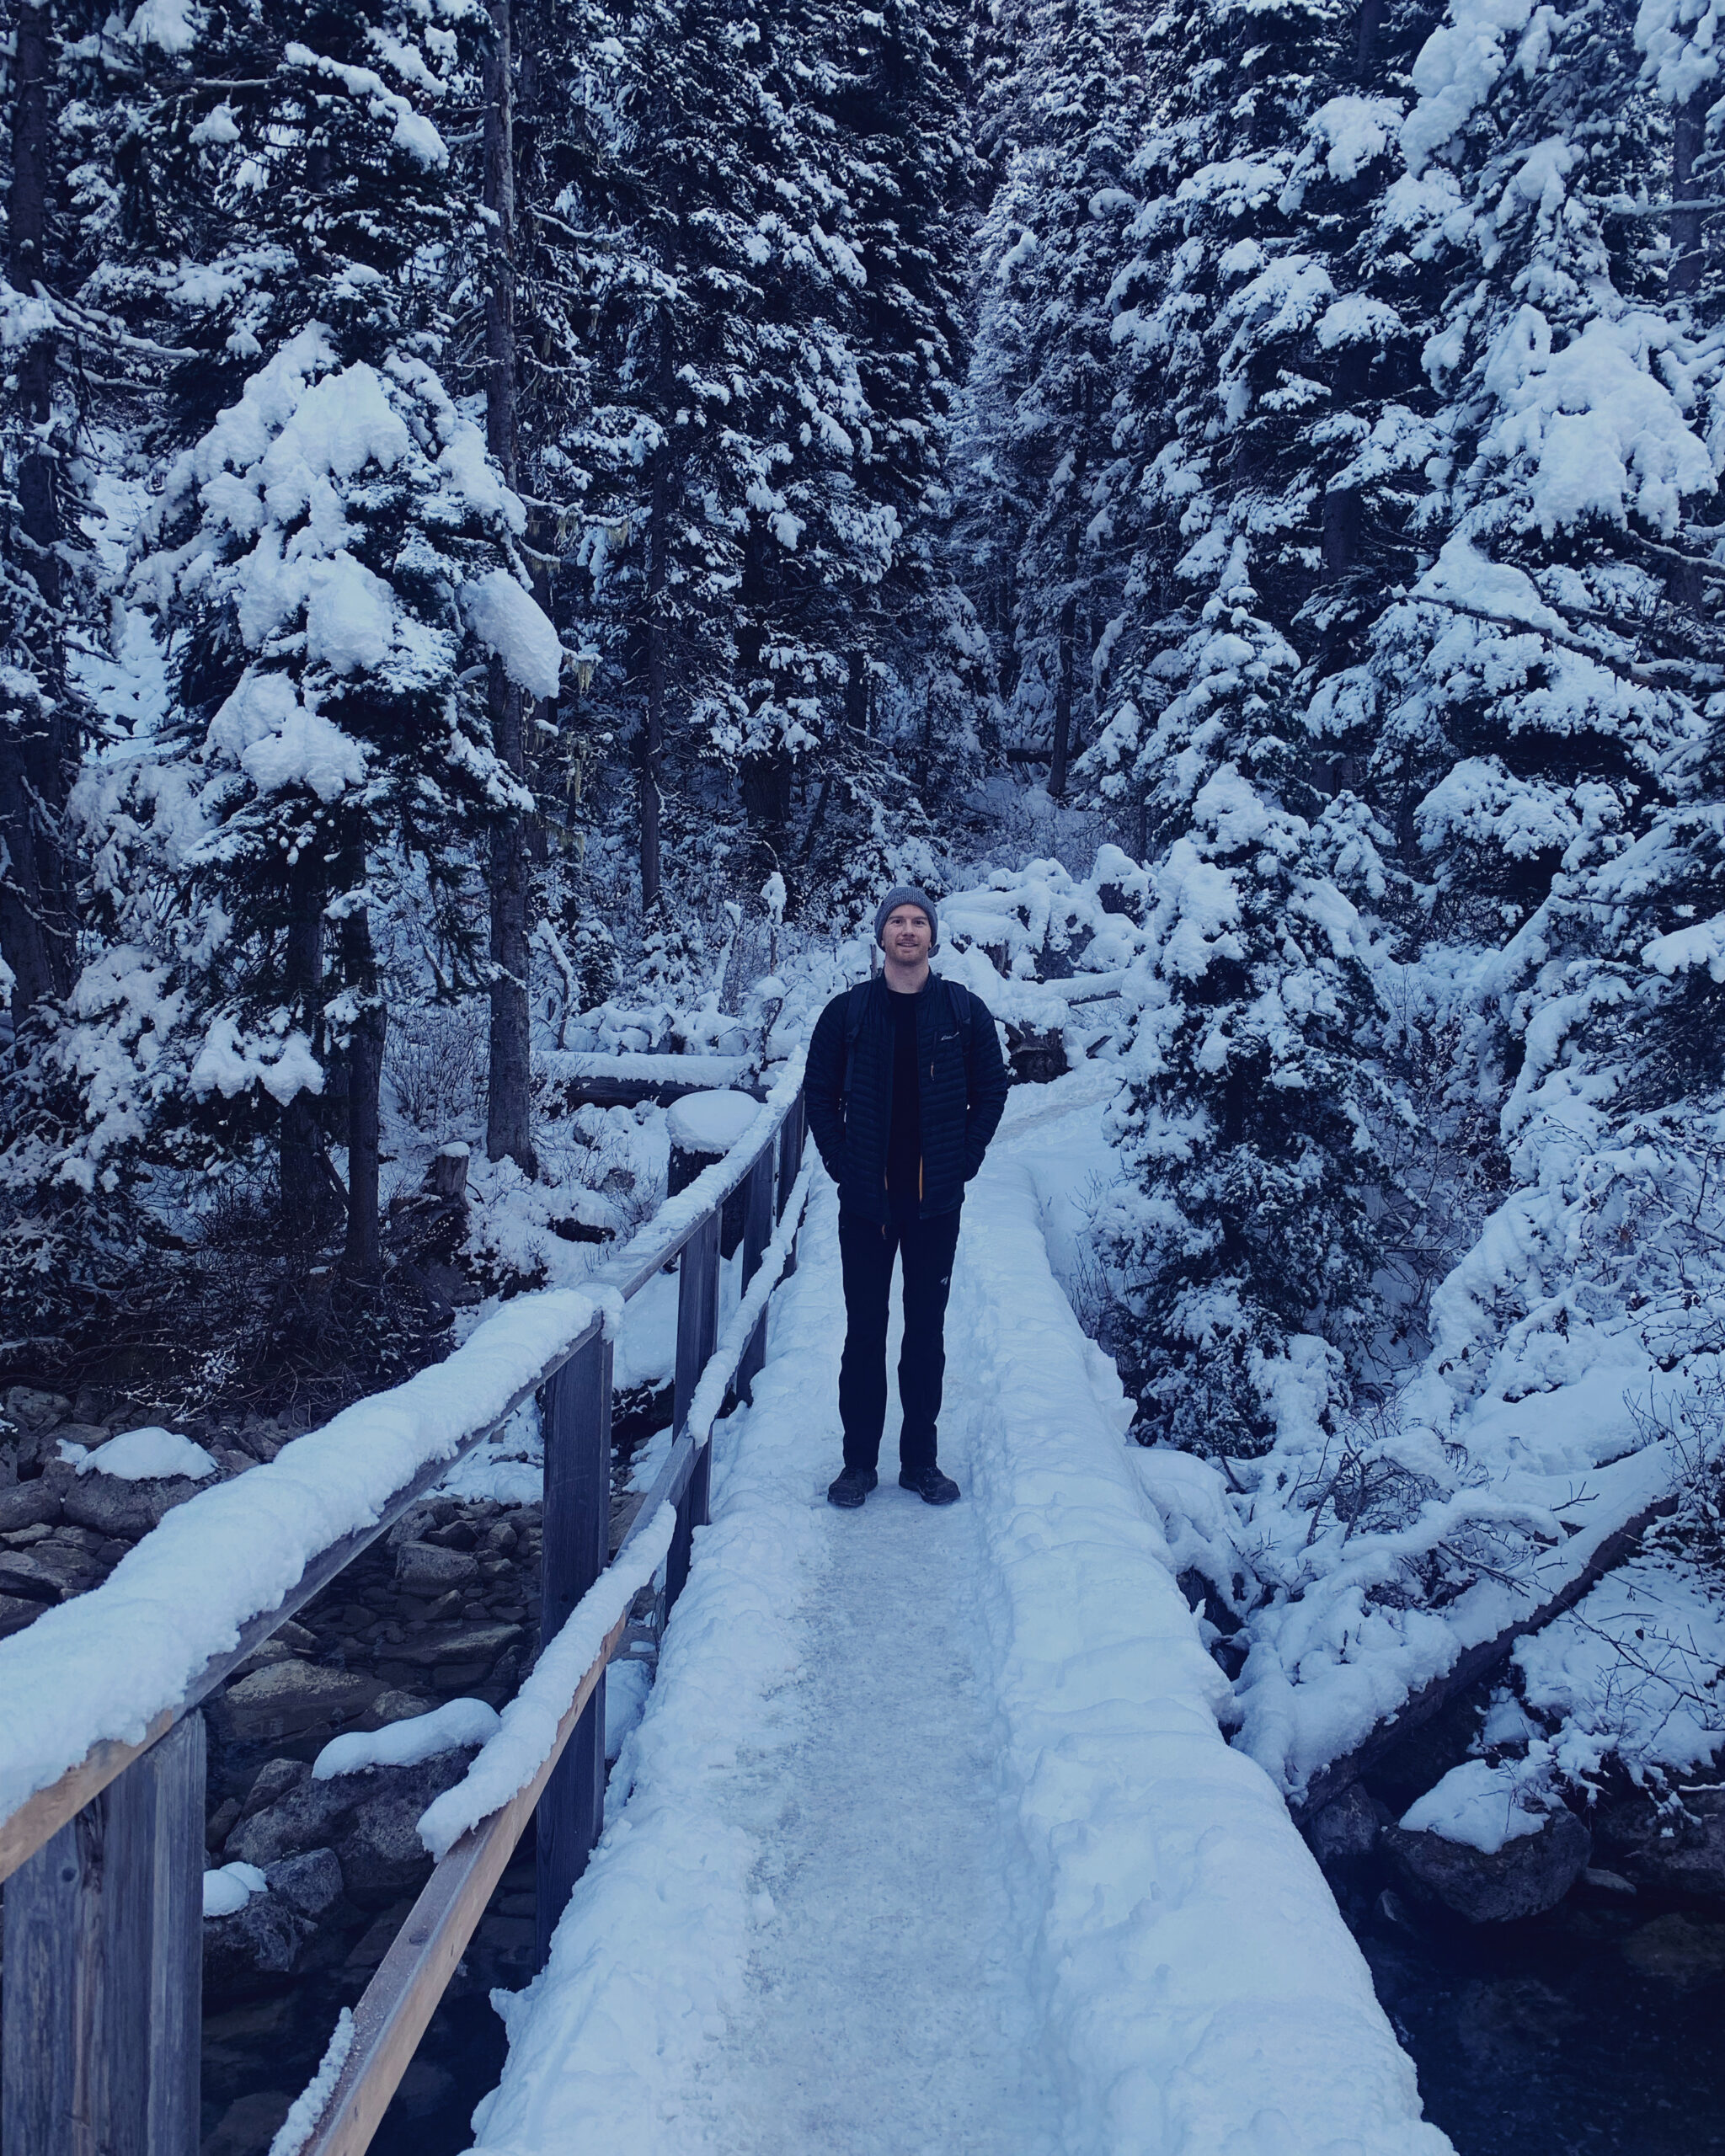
[30,1825]
[52,2039]
[400,2001]
[25,1830]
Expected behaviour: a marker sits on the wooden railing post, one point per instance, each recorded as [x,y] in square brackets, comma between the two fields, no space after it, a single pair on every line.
[576,1418]
[698,1335]
[757,1233]
[104,1958]
[790,1150]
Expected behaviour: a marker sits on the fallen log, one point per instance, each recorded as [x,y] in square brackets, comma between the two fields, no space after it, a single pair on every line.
[1472,1664]
[609,1081]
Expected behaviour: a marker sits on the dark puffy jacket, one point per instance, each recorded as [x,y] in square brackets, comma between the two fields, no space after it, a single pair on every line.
[963,1098]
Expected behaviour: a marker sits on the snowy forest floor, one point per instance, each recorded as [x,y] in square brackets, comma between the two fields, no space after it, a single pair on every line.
[928,1839]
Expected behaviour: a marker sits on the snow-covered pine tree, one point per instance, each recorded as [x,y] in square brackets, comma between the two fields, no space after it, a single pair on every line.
[1617,978]
[676,368]
[1043,473]
[899,91]
[744,515]
[1532,701]
[42,592]
[1245,1246]
[335,548]
[573,239]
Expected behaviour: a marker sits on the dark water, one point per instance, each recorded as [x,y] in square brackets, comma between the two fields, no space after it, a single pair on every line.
[1597,2029]
[259,2054]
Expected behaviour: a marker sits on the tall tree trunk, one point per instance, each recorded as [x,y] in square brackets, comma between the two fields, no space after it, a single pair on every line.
[857,693]
[652,755]
[508,1118]
[652,737]
[36,742]
[1063,686]
[363,1256]
[1365,45]
[303,1185]
[1068,611]
[1688,133]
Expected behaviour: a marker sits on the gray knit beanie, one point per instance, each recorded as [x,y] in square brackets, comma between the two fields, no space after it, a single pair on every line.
[907,894]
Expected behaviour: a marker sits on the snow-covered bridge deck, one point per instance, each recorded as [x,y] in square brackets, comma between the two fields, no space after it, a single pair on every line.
[931,1841]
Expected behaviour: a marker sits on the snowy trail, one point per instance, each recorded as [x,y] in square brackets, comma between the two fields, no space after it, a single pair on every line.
[889,2004]
[928,1840]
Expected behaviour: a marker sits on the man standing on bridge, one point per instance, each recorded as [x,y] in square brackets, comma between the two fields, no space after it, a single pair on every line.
[905,1088]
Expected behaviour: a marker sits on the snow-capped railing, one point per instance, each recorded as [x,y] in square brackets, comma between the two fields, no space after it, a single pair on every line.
[101,1771]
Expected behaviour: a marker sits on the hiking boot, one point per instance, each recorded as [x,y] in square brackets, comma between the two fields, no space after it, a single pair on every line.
[848,1489]
[933,1487]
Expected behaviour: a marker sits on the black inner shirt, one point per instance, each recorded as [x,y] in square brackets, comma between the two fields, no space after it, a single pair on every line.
[904,1142]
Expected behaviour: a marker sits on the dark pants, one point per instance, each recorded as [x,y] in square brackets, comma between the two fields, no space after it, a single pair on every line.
[925,1248]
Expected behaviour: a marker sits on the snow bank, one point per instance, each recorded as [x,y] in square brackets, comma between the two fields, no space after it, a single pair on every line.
[104,1665]
[146,1455]
[1200,1983]
[523,1737]
[448,1728]
[1633,1670]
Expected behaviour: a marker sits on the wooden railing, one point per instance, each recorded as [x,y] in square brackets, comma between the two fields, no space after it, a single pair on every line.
[103,1904]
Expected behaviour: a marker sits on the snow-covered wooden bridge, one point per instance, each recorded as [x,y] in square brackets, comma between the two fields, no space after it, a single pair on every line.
[928,1840]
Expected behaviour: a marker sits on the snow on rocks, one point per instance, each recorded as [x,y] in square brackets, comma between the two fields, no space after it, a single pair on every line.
[1481,1807]
[143,1455]
[1202,1988]
[448,1728]
[1524,1878]
[520,1741]
[104,1665]
[231,1887]
[1492,1842]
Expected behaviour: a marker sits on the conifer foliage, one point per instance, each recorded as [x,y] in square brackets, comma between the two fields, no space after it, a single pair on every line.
[507,439]
[1410,319]
[1245,1248]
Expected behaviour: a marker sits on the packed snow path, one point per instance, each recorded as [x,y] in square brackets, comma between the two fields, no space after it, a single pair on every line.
[927,1843]
[889,2001]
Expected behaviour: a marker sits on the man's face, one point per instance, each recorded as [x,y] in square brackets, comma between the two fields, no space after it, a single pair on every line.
[907,935]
